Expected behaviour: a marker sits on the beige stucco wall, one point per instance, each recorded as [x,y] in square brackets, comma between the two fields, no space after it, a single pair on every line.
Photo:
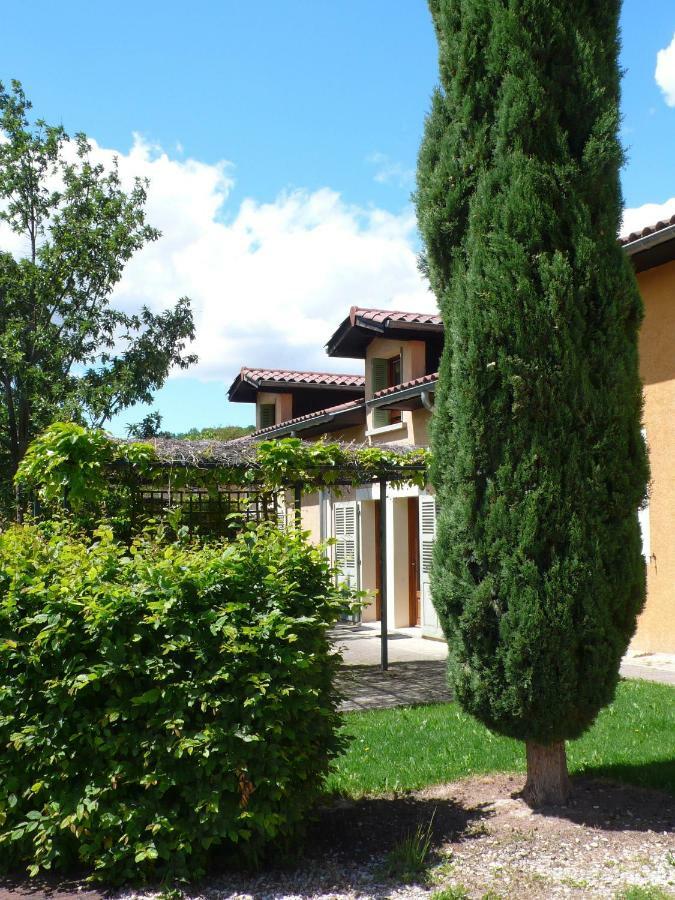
[419,428]
[283,403]
[656,627]
[368,523]
[356,434]
[311,516]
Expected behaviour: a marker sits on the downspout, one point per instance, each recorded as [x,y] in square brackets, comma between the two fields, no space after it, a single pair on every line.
[427,403]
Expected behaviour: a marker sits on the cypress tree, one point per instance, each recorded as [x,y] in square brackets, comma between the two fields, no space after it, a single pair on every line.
[539,462]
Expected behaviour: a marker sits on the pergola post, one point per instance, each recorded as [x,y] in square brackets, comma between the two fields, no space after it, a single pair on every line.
[297,505]
[384,648]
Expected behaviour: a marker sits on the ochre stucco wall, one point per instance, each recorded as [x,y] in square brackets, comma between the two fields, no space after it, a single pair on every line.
[656,627]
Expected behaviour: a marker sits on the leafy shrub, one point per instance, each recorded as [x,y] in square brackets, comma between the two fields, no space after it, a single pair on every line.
[160,704]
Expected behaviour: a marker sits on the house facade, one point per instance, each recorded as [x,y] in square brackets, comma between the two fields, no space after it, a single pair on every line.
[652,252]
[391,404]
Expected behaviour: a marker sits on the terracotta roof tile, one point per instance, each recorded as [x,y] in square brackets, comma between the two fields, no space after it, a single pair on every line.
[645,232]
[341,407]
[415,382]
[392,315]
[287,376]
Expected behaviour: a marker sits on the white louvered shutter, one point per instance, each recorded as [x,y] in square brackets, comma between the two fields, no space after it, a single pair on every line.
[282,510]
[380,373]
[347,543]
[430,622]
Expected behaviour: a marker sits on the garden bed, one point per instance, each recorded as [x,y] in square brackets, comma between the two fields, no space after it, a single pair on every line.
[402,772]
[484,839]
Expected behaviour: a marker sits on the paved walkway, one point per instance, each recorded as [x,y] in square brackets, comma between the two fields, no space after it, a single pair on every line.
[417,668]
[403,684]
[650,666]
[360,645]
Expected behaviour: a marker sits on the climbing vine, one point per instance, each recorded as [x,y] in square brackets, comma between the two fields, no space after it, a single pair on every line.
[90,472]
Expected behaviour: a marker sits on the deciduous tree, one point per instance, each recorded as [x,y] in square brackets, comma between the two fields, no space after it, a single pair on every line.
[65,352]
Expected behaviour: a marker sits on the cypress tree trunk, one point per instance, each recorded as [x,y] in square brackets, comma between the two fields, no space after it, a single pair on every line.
[538,460]
[547,780]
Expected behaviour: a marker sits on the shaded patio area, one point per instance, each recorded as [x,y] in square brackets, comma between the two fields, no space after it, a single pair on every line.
[360,644]
[417,667]
[416,672]
[403,684]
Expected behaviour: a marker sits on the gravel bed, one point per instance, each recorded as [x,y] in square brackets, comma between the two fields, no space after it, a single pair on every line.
[484,838]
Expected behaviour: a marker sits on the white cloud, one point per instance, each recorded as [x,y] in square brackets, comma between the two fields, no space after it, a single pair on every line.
[665,72]
[390,172]
[645,216]
[269,281]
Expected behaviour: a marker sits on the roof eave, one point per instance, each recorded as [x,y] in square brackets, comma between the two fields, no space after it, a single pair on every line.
[289,386]
[652,250]
[403,395]
[648,241]
[239,386]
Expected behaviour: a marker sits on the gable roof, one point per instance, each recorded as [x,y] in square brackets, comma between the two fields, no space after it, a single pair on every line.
[250,380]
[364,323]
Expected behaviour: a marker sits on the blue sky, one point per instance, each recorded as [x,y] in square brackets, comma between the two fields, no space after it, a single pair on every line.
[280,138]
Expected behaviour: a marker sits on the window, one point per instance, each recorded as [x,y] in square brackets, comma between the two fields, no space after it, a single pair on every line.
[385,373]
[268,414]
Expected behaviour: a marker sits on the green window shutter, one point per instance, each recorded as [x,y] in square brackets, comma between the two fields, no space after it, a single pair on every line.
[380,379]
[267,414]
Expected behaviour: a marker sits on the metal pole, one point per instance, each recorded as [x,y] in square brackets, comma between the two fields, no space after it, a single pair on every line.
[384,649]
[298,505]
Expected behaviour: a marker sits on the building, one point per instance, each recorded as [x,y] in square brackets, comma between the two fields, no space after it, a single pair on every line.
[392,404]
[653,254]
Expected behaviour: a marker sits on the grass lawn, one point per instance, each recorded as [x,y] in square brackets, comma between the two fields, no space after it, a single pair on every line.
[410,747]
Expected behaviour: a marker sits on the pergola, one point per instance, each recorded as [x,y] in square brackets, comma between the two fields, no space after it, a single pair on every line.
[241,455]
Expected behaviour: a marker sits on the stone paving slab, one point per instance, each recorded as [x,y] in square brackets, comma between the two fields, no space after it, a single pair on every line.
[403,684]
[360,644]
[662,674]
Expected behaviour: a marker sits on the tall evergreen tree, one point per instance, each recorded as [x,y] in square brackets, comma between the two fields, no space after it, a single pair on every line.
[539,462]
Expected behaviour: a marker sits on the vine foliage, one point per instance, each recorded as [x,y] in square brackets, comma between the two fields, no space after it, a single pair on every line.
[92,474]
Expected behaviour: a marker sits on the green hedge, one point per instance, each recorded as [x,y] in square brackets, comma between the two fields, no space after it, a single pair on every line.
[160,705]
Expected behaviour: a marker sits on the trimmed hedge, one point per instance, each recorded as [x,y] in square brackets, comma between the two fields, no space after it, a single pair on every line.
[160,705]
